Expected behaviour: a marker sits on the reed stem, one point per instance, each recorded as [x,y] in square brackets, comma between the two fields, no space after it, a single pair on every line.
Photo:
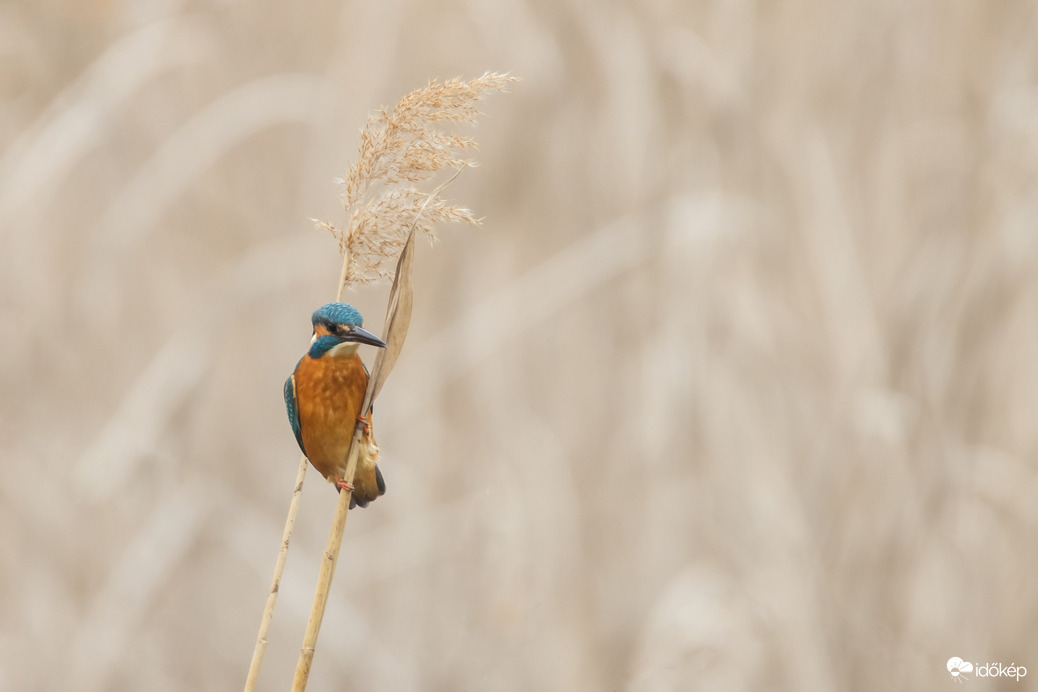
[275,584]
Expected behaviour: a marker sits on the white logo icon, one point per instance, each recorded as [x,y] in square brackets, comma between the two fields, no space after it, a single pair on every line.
[957,667]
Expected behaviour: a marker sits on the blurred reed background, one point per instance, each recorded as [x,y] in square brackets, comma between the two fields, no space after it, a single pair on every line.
[736,390]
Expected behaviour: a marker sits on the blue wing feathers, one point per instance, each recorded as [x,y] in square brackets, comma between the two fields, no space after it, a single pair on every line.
[293,410]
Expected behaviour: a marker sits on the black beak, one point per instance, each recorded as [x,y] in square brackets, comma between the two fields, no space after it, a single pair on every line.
[363,336]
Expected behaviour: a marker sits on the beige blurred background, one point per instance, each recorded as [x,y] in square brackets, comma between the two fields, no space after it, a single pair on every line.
[736,389]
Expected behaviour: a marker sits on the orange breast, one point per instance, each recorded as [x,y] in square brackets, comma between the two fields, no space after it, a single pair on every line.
[329,394]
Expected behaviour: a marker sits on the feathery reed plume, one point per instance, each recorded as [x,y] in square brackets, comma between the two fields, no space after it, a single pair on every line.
[397,148]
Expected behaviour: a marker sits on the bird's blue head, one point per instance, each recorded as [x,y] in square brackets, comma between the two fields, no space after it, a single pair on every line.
[337,314]
[339,323]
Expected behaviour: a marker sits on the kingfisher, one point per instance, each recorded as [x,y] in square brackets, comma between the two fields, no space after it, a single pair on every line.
[324,395]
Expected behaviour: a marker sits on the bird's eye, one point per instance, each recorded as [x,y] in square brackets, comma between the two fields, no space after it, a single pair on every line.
[333,329]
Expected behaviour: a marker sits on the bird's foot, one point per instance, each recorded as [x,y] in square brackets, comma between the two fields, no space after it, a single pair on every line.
[342,484]
[363,422]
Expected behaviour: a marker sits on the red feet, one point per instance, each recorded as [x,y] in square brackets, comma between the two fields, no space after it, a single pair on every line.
[342,484]
[367,428]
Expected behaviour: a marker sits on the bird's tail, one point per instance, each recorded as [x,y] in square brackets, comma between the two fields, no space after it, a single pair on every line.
[380,482]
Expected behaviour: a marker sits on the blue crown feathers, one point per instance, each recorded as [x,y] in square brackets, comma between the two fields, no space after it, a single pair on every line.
[337,313]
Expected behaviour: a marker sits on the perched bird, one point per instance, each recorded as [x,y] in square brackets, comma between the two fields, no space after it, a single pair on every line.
[324,395]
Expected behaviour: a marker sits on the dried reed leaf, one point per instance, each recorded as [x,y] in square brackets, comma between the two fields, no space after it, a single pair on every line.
[398,317]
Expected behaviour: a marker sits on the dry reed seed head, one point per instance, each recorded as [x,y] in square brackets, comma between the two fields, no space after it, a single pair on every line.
[380,228]
[397,146]
[392,134]
[452,99]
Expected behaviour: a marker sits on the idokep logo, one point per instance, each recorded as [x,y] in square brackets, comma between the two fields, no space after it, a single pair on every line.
[958,669]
